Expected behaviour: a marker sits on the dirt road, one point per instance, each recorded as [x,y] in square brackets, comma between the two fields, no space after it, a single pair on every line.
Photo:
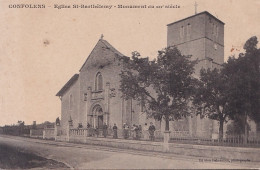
[81,156]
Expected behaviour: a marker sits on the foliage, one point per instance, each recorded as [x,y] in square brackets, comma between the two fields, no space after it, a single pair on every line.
[211,97]
[244,78]
[234,91]
[237,127]
[17,130]
[164,85]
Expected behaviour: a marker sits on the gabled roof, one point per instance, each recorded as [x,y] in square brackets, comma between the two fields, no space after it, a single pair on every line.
[204,12]
[108,46]
[72,80]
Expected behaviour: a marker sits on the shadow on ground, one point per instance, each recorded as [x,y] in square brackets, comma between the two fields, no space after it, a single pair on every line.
[15,158]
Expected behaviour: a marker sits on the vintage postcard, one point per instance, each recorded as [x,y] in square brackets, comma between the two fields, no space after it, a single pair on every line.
[113,84]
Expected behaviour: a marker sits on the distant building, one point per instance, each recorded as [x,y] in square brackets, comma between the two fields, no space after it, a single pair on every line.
[93,95]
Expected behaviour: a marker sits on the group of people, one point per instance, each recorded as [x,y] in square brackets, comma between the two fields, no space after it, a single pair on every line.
[95,131]
[136,131]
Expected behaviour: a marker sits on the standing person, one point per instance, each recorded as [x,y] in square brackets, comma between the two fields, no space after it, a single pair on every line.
[146,133]
[133,131]
[151,131]
[136,132]
[96,131]
[125,131]
[139,131]
[115,131]
[105,130]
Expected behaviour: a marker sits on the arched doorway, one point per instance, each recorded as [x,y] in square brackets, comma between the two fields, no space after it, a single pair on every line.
[97,112]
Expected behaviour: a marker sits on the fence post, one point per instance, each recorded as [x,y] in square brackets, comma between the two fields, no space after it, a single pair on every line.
[43,134]
[68,132]
[166,139]
[85,133]
[55,131]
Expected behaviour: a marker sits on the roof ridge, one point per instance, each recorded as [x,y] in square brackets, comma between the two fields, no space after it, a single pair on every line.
[203,12]
[108,45]
[88,56]
[68,84]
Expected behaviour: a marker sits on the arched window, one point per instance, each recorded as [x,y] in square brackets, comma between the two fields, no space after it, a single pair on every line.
[99,82]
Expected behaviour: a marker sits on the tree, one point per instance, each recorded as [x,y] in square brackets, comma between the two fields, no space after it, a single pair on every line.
[164,85]
[232,92]
[244,78]
[211,97]
[237,126]
[20,127]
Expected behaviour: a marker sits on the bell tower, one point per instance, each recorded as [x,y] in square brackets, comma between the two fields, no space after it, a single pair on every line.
[200,35]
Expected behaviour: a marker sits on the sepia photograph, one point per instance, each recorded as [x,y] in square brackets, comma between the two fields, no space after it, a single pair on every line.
[129,84]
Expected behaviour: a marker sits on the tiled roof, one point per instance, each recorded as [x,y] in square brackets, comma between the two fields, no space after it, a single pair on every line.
[73,79]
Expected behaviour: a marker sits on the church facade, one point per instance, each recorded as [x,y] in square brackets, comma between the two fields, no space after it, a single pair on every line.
[93,97]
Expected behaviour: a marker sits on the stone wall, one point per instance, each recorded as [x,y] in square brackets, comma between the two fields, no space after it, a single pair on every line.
[49,133]
[209,152]
[70,110]
[36,133]
[202,37]
[104,61]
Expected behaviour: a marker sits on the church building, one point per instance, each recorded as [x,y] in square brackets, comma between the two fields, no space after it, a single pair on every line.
[93,97]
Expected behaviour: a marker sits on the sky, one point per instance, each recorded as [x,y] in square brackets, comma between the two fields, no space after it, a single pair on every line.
[41,49]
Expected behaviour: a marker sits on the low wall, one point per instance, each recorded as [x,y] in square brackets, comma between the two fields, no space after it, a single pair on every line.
[36,133]
[49,133]
[220,152]
[61,138]
[128,144]
[216,152]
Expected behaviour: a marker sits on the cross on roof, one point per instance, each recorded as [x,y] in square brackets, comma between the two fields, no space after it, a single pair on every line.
[195,5]
[102,36]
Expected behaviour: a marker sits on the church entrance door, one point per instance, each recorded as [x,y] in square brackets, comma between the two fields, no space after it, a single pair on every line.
[100,122]
[97,113]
